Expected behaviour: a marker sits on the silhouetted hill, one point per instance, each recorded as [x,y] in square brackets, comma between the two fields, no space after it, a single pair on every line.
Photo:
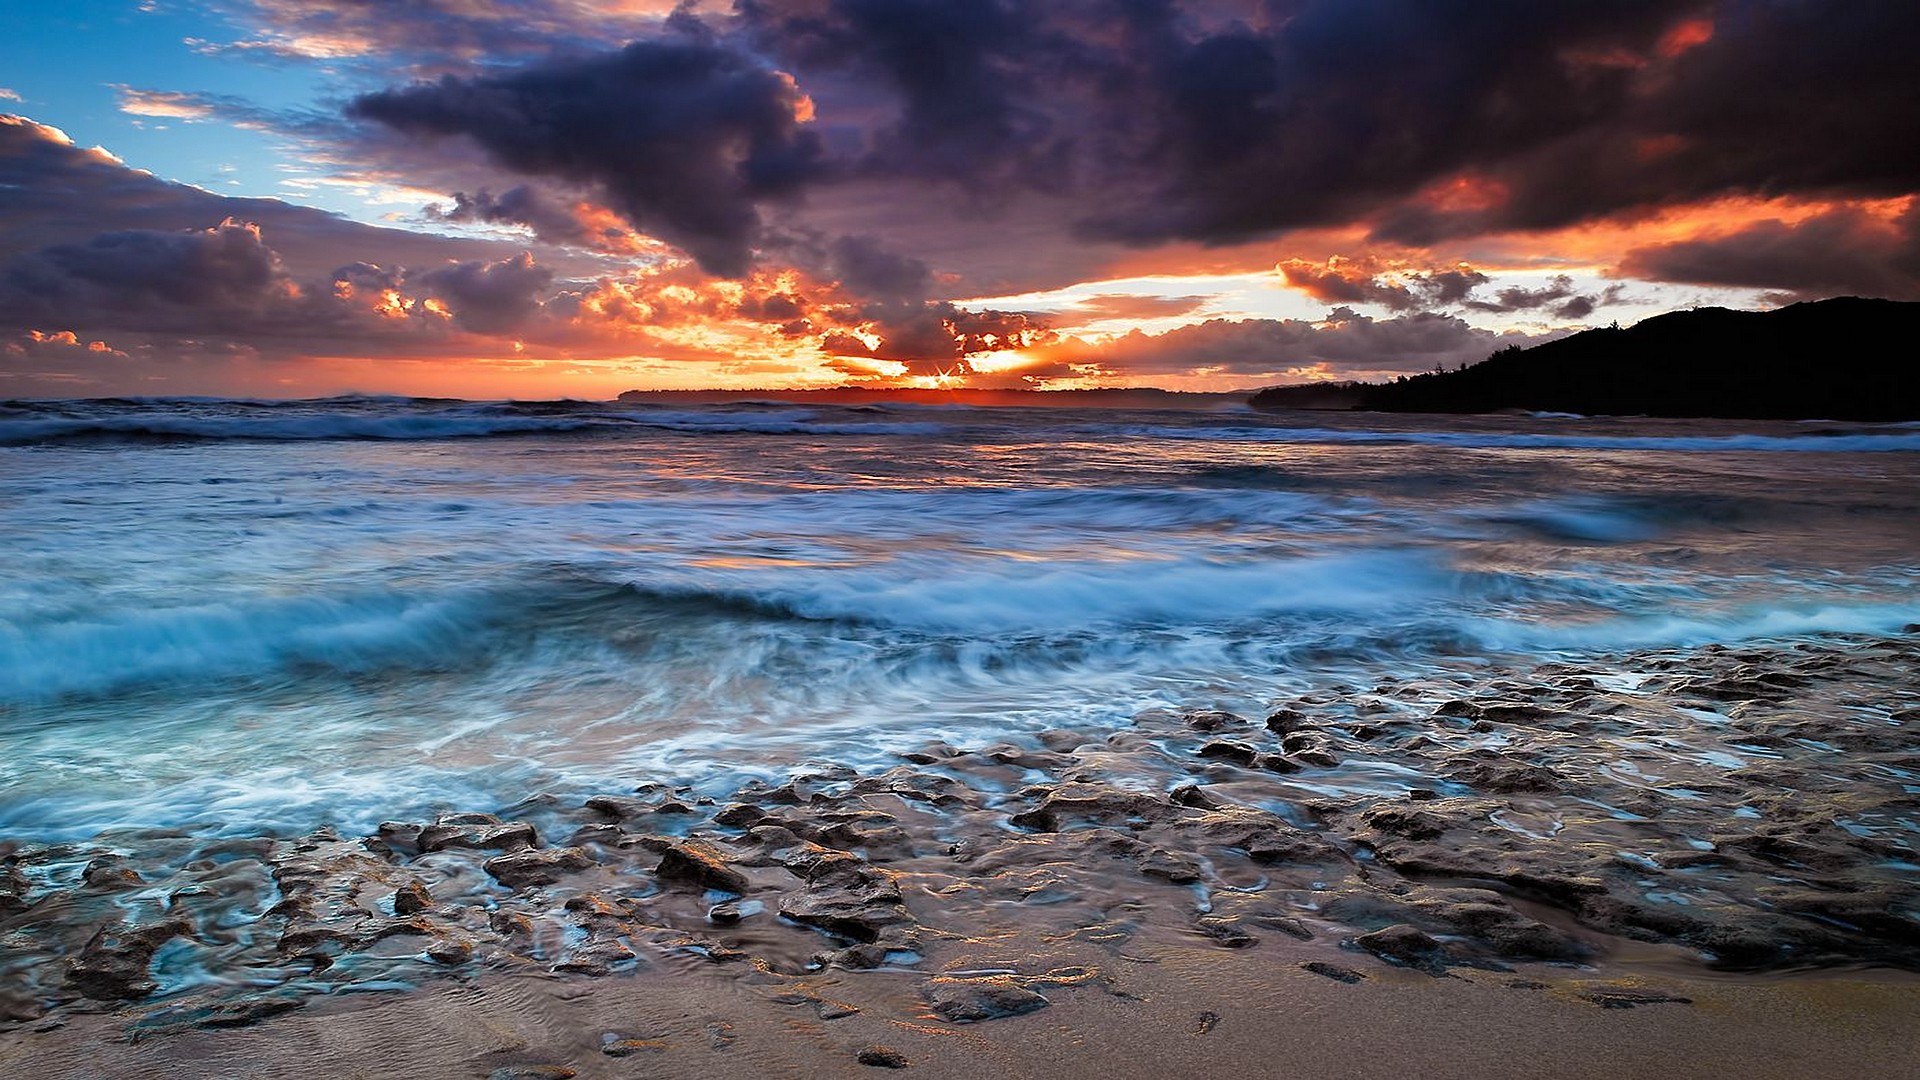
[1841,359]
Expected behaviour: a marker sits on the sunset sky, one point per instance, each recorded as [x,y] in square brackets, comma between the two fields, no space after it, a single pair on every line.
[570,198]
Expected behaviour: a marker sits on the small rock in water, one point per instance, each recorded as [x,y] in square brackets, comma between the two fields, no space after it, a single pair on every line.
[412,898]
[1228,932]
[532,1072]
[971,1000]
[113,966]
[1212,720]
[620,1048]
[700,863]
[881,1057]
[1206,1022]
[482,832]
[1226,750]
[110,872]
[1627,999]
[1333,971]
[1407,945]
[450,951]
[1285,721]
[530,867]
[617,807]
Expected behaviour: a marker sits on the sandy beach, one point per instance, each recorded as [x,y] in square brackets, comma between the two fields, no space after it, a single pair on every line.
[1589,869]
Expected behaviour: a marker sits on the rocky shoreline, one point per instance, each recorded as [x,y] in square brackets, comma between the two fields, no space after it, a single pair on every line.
[1748,808]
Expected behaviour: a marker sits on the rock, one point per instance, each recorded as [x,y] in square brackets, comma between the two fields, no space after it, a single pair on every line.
[1212,720]
[399,835]
[114,963]
[1331,971]
[532,1072]
[1093,803]
[110,872]
[1226,750]
[14,886]
[1485,915]
[1285,721]
[881,1057]
[913,785]
[1403,822]
[450,951]
[1286,924]
[882,843]
[700,863]
[1170,866]
[971,1000]
[739,816]
[617,807]
[1265,837]
[726,914]
[412,898]
[482,832]
[1317,758]
[1195,796]
[597,958]
[533,867]
[1627,999]
[847,898]
[1228,932]
[1499,773]
[245,1012]
[620,1048]
[1406,945]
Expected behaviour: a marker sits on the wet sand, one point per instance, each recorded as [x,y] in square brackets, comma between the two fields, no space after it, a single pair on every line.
[1677,862]
[1177,1010]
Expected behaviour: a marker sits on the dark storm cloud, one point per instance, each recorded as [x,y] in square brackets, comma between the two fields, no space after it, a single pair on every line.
[551,217]
[1363,283]
[1844,251]
[223,269]
[1216,121]
[491,298]
[1559,297]
[685,138]
[863,265]
[1343,344]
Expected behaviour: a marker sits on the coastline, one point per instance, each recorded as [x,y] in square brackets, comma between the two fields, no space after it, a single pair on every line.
[1543,855]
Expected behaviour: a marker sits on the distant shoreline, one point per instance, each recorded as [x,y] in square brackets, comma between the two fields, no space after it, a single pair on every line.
[1841,359]
[1111,398]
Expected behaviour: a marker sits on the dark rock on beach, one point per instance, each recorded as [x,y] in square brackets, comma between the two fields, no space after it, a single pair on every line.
[881,1057]
[971,1000]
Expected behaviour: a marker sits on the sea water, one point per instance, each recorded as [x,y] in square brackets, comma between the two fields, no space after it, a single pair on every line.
[247,616]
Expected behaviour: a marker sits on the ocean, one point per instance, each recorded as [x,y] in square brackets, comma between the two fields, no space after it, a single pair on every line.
[260,617]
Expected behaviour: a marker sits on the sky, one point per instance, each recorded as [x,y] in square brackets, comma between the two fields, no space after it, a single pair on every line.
[571,198]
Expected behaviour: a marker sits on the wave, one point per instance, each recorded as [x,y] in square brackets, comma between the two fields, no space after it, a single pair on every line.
[111,650]
[361,425]
[1818,442]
